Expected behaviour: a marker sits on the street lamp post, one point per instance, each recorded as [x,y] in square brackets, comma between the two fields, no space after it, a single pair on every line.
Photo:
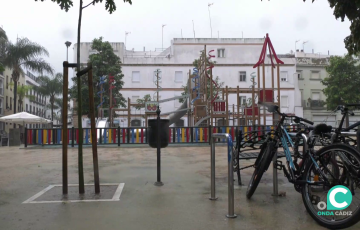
[295,45]
[67,50]
[162,37]
[210,4]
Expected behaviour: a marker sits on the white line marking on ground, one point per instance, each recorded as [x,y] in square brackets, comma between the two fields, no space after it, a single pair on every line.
[38,194]
[116,196]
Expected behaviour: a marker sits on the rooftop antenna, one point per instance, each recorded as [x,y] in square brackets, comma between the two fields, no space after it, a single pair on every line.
[193,28]
[162,37]
[210,4]
[126,34]
[304,45]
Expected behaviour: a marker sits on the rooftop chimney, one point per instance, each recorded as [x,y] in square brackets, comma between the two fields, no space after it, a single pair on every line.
[144,48]
[313,50]
[328,52]
[297,50]
[302,51]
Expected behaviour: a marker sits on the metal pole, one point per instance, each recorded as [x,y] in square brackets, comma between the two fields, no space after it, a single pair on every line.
[212,165]
[64,129]
[275,177]
[210,17]
[228,137]
[358,140]
[158,156]
[231,213]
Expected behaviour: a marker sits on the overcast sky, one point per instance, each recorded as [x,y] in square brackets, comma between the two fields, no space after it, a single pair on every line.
[284,20]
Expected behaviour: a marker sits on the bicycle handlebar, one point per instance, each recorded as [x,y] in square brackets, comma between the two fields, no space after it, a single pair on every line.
[275,108]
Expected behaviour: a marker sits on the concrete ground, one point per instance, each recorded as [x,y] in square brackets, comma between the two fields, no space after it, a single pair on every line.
[182,203]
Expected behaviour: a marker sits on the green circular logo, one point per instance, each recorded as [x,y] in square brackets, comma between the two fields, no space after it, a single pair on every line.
[339,197]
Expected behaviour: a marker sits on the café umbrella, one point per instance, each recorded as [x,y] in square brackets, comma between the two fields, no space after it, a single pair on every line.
[23,118]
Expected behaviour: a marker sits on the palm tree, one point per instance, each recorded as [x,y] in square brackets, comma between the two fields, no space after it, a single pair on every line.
[22,92]
[50,87]
[58,105]
[24,54]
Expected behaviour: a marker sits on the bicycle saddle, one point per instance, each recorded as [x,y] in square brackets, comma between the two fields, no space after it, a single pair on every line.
[322,128]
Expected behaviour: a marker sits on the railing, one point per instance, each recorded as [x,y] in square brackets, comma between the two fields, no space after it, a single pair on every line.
[138,135]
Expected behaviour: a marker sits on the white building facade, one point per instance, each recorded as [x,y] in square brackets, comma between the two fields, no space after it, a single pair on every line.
[234,57]
[37,104]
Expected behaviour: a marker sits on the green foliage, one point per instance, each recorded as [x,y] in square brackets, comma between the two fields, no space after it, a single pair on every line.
[51,87]
[3,41]
[147,97]
[110,5]
[105,63]
[343,82]
[216,87]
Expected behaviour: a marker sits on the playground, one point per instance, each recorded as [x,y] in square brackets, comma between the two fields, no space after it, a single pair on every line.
[182,203]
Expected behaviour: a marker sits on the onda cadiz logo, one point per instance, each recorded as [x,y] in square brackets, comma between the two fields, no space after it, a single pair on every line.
[338,198]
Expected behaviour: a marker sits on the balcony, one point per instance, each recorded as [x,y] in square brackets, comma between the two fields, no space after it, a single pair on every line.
[313,104]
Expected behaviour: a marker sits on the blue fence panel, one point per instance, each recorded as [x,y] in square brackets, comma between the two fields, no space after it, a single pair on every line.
[132,135]
[196,134]
[86,136]
[178,134]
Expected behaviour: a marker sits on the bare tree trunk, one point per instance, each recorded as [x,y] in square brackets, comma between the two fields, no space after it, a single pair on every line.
[80,152]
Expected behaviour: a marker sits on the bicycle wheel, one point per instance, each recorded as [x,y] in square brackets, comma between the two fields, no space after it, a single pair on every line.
[335,162]
[261,165]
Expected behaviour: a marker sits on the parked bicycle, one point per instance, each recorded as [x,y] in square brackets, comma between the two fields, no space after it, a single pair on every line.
[316,174]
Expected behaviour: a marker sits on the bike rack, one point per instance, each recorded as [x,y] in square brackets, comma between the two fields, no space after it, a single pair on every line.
[228,137]
[275,171]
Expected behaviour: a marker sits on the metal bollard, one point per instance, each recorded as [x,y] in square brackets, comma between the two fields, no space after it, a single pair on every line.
[275,177]
[228,137]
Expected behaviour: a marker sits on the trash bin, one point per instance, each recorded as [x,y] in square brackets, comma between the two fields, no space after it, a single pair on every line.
[164,132]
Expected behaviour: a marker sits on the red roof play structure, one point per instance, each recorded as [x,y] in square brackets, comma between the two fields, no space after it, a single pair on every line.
[271,51]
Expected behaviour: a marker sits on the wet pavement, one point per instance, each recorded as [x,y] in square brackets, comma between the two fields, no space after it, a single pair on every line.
[182,203]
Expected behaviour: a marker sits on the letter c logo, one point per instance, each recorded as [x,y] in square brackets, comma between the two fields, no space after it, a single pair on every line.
[332,198]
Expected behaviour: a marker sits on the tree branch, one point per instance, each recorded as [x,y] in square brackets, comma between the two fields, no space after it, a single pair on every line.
[89,4]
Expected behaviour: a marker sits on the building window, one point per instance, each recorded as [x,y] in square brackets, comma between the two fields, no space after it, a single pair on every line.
[27,108]
[315,75]
[242,76]
[30,109]
[7,104]
[134,99]
[315,99]
[284,101]
[1,106]
[10,103]
[299,75]
[179,76]
[242,100]
[283,76]
[221,53]
[1,87]
[7,82]
[135,76]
